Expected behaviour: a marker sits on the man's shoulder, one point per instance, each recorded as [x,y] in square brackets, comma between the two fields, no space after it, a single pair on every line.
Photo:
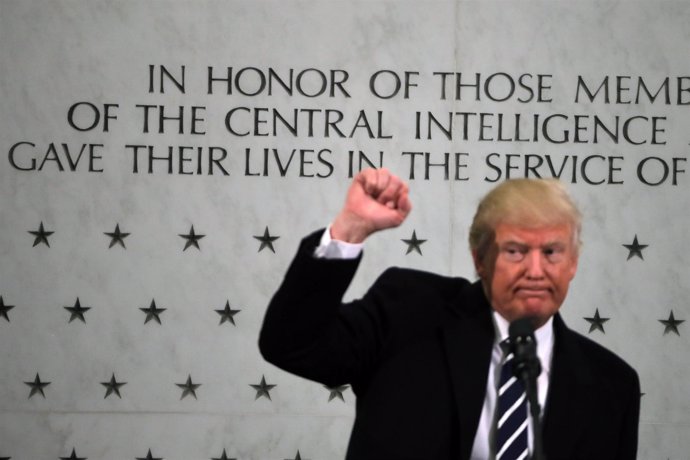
[604,361]
[410,278]
[413,273]
[429,292]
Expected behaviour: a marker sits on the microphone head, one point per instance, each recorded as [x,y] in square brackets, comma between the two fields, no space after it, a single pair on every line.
[521,327]
[524,347]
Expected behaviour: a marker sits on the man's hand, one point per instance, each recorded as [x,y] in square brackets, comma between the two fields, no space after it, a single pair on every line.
[376,200]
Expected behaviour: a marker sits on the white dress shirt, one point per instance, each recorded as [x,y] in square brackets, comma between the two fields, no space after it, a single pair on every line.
[483,447]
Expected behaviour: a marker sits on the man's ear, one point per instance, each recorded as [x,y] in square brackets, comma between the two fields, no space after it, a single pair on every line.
[479,265]
[573,266]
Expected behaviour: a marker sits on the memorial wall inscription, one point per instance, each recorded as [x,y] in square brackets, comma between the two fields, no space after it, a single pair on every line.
[600,142]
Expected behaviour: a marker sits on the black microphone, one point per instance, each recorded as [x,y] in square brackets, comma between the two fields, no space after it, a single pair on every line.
[526,367]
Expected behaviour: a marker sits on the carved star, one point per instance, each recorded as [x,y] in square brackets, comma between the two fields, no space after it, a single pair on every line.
[41,235]
[262,389]
[153,312]
[635,249]
[77,311]
[266,240]
[188,387]
[224,456]
[73,456]
[149,457]
[297,457]
[336,392]
[37,386]
[227,313]
[671,324]
[597,322]
[3,312]
[113,387]
[192,239]
[117,237]
[413,244]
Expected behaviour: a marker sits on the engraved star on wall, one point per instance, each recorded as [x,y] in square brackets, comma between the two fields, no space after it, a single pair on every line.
[223,456]
[414,244]
[227,314]
[149,457]
[37,386]
[153,312]
[266,240]
[41,235]
[336,392]
[3,312]
[262,389]
[671,324]
[297,457]
[113,387]
[192,239]
[77,311]
[73,456]
[188,387]
[596,322]
[117,237]
[635,249]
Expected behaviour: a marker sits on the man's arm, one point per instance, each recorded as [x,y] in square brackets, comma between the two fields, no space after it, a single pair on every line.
[307,330]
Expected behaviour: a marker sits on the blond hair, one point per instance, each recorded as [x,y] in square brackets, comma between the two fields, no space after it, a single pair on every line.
[529,203]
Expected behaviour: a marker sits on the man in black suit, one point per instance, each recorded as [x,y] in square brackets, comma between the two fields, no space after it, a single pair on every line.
[423,352]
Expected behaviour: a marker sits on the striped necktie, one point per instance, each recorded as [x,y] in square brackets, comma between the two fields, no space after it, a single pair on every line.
[512,423]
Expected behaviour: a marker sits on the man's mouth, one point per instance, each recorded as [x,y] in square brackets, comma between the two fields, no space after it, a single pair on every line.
[532,290]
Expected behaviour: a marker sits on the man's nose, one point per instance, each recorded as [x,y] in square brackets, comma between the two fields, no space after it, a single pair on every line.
[534,264]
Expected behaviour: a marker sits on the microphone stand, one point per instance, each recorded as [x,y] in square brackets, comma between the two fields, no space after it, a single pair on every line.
[527,368]
[535,411]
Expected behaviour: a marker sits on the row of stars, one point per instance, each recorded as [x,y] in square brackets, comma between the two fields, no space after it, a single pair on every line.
[149,456]
[414,244]
[117,237]
[77,311]
[227,314]
[596,323]
[263,389]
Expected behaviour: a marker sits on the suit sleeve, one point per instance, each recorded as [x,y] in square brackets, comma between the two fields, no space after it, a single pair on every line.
[629,436]
[308,331]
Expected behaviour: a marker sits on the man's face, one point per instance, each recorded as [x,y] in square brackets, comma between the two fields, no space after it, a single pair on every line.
[527,271]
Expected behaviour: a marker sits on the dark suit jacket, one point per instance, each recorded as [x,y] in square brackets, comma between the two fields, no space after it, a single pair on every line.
[416,350]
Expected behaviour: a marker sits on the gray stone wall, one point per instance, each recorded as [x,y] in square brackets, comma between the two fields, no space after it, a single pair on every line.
[147,215]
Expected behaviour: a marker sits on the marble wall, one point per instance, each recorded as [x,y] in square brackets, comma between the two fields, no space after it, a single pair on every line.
[161,161]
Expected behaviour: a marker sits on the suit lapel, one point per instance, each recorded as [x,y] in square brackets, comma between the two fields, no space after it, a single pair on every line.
[468,339]
[570,388]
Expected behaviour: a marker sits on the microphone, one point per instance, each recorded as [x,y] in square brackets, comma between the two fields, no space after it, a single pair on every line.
[526,367]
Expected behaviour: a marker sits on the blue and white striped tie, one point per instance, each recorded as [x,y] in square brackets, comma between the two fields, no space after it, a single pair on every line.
[512,424]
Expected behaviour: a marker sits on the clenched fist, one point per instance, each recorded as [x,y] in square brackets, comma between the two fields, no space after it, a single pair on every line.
[376,200]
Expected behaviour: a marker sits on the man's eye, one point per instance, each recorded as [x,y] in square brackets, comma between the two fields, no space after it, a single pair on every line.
[553,255]
[513,254]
